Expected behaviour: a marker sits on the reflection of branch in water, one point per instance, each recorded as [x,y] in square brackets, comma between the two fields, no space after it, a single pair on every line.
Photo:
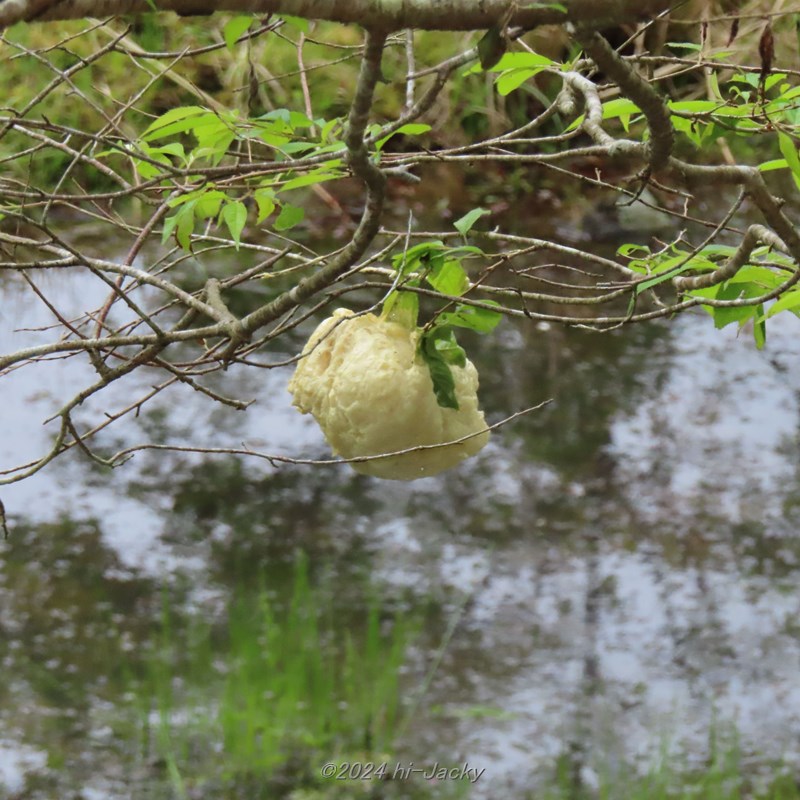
[590,679]
[124,455]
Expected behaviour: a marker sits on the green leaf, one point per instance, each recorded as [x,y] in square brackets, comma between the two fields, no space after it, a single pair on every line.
[464,225]
[444,385]
[620,108]
[147,170]
[481,320]
[775,163]
[444,341]
[234,28]
[214,136]
[169,227]
[492,46]
[183,225]
[415,256]
[789,152]
[265,200]
[273,139]
[327,130]
[297,147]
[684,45]
[758,277]
[298,22]
[234,215]
[694,106]
[789,301]
[516,61]
[317,176]
[172,149]
[727,291]
[401,307]
[760,328]
[449,277]
[412,129]
[208,204]
[666,273]
[513,79]
[628,249]
[289,217]
[176,120]
[555,6]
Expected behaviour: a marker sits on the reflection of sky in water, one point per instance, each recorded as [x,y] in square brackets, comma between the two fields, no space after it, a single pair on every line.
[706,449]
[724,416]
[15,761]
[32,394]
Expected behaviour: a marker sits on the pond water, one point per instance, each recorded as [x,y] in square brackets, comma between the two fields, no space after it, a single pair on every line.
[618,571]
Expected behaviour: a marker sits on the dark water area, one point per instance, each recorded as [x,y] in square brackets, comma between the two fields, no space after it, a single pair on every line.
[613,575]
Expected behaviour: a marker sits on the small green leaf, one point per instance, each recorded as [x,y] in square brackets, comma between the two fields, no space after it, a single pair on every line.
[416,256]
[173,149]
[727,291]
[412,129]
[169,227]
[789,301]
[510,61]
[234,215]
[444,385]
[317,176]
[789,152]
[147,170]
[208,204]
[298,22]
[289,217]
[234,28]
[176,120]
[760,328]
[184,225]
[481,320]
[513,79]
[619,108]
[449,277]
[555,6]
[265,200]
[464,225]
[522,61]
[402,307]
[444,341]
[775,163]
[628,249]
[327,130]
[297,147]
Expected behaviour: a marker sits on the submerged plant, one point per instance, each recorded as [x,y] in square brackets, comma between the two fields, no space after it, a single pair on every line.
[284,691]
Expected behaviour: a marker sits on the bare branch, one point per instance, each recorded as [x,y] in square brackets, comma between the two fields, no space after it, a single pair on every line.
[390,16]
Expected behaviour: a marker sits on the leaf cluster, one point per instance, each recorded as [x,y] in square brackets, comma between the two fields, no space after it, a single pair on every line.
[441,267]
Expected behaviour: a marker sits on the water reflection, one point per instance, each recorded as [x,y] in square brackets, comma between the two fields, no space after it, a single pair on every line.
[622,565]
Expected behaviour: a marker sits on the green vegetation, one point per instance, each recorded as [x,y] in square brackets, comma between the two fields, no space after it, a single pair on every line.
[260,703]
[217,137]
[722,779]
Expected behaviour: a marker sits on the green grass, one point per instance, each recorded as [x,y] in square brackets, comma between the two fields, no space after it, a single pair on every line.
[723,776]
[258,707]
[252,706]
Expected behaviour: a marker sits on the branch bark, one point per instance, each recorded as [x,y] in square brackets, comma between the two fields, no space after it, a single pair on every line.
[390,15]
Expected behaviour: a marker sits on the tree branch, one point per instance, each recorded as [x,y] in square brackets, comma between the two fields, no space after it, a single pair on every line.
[388,15]
[755,235]
[363,168]
[635,88]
